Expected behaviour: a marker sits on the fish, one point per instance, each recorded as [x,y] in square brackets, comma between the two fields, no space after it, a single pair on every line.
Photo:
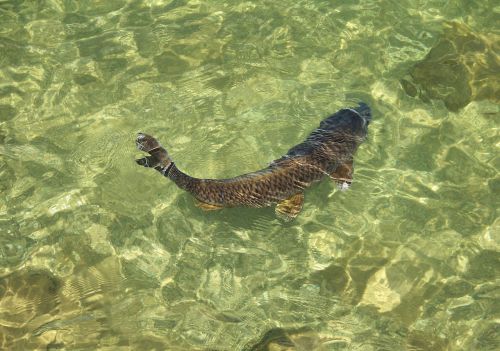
[327,152]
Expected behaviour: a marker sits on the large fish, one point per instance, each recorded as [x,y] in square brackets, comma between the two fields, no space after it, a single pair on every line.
[328,151]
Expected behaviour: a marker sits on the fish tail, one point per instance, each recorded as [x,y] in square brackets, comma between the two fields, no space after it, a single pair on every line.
[158,156]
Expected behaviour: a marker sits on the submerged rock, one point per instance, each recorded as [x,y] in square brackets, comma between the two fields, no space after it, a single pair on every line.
[304,338]
[276,337]
[462,67]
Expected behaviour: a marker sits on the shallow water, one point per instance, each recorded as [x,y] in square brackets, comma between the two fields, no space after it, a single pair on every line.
[97,253]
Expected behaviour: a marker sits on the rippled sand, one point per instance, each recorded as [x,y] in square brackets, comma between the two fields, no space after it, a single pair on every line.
[97,253]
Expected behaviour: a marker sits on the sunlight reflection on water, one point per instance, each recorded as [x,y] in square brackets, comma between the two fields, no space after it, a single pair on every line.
[98,253]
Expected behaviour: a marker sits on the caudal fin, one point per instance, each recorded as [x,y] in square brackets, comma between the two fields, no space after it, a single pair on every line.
[158,155]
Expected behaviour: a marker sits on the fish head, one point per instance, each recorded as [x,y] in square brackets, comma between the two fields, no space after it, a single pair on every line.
[349,120]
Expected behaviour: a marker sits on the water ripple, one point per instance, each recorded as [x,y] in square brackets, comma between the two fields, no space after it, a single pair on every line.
[95,251]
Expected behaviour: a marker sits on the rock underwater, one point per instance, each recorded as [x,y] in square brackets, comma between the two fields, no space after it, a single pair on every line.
[462,67]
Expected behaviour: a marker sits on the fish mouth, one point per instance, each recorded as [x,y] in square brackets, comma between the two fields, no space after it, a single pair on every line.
[363,110]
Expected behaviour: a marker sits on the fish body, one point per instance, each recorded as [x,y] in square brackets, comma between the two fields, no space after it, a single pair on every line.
[327,152]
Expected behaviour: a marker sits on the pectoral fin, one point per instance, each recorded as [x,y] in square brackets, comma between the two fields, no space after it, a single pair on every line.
[289,208]
[343,175]
[207,207]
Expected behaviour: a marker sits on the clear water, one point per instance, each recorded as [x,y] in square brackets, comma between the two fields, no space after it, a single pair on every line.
[97,253]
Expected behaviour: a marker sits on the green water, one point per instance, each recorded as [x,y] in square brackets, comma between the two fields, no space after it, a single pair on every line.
[98,253]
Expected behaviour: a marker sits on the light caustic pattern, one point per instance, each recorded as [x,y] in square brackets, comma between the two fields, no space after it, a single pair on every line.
[97,253]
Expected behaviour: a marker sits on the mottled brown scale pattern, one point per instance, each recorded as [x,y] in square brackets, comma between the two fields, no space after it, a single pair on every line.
[328,151]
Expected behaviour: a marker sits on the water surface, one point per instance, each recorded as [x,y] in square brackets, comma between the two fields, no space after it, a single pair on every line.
[97,253]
